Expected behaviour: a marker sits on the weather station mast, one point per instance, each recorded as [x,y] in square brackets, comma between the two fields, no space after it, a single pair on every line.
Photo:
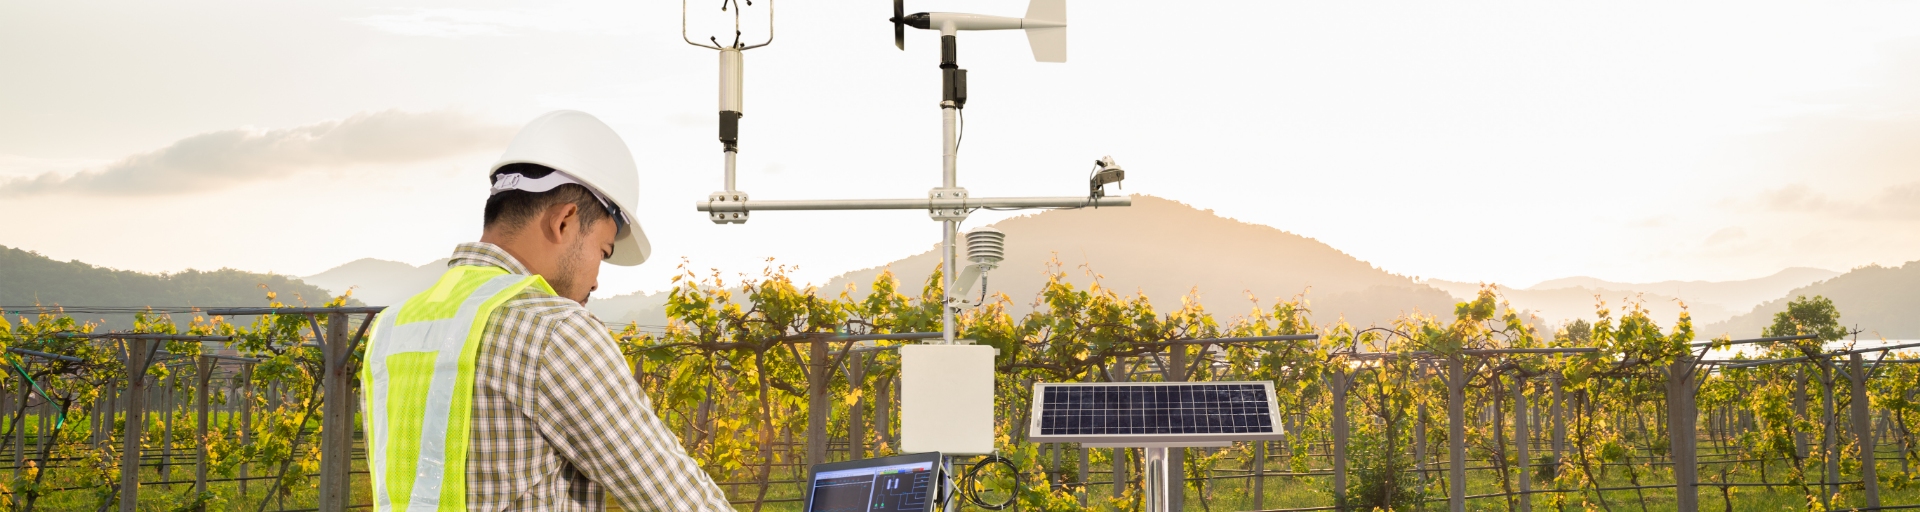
[946,385]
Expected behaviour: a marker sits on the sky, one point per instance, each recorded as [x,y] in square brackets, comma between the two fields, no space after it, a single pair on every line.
[1508,142]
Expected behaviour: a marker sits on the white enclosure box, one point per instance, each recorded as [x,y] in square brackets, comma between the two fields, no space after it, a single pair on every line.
[946,399]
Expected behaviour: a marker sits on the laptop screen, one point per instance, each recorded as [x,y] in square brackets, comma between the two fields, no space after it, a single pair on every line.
[905,487]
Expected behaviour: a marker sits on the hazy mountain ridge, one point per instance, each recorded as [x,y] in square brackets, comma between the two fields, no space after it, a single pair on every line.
[1884,301]
[1734,295]
[1167,249]
[28,278]
[1560,305]
[383,283]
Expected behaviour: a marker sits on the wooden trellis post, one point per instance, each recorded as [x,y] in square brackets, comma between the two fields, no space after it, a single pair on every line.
[336,421]
[1559,422]
[1421,420]
[205,367]
[1338,376]
[1830,440]
[1800,410]
[138,355]
[166,425]
[818,405]
[857,415]
[1522,431]
[1456,436]
[1863,429]
[246,423]
[1681,434]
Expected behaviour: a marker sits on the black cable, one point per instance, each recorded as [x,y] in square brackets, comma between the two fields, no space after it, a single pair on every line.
[969,487]
[962,136]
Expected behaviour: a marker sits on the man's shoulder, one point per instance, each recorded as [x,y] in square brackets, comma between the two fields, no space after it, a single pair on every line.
[538,305]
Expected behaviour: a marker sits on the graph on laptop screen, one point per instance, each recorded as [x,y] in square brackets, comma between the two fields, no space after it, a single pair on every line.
[896,488]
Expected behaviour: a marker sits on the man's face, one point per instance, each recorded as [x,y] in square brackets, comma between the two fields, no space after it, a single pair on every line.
[579,266]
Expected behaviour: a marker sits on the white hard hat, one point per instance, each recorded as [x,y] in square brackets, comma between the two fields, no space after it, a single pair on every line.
[589,152]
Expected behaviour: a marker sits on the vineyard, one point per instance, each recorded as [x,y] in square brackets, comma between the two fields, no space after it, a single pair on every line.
[1477,409]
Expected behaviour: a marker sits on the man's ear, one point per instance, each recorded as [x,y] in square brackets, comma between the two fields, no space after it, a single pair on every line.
[560,221]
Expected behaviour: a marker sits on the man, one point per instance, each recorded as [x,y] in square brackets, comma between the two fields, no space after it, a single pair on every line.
[495,389]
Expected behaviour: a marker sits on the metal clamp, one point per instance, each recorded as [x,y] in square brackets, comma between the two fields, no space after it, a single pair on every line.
[947,212]
[727,207]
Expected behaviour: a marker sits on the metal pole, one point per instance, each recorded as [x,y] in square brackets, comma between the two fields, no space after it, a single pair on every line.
[136,412]
[948,229]
[1863,430]
[1260,475]
[336,422]
[1176,457]
[1085,476]
[1456,437]
[1157,483]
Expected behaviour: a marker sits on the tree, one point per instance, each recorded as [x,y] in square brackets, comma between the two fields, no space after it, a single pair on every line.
[1815,316]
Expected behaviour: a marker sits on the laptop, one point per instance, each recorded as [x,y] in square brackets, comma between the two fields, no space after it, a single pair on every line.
[904,483]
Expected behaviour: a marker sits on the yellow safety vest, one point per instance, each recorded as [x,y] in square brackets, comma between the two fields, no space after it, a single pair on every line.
[417,387]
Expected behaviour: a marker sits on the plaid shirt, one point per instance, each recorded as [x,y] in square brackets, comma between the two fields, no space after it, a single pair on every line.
[558,420]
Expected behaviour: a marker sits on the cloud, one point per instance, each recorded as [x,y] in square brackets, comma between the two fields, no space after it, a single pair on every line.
[226,158]
[1896,202]
[1726,235]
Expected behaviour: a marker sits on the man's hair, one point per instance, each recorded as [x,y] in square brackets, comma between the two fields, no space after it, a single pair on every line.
[513,208]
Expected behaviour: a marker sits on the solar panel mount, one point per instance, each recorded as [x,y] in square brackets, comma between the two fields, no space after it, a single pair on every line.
[1150,414]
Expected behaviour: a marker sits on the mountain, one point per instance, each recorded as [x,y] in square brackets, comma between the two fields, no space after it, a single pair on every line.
[1883,301]
[379,282]
[28,279]
[1167,249]
[646,309]
[382,283]
[1732,295]
[1560,305]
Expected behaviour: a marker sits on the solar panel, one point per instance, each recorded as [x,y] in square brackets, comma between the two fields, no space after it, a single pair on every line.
[1154,413]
